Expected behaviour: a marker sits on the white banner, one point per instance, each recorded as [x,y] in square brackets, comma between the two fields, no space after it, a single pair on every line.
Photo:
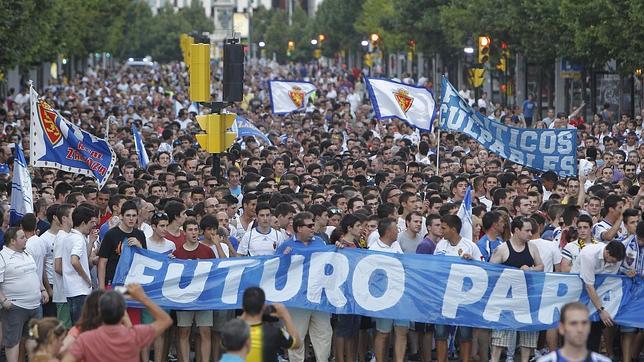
[289,96]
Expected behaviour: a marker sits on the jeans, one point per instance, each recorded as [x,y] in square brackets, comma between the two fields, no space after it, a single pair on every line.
[76,307]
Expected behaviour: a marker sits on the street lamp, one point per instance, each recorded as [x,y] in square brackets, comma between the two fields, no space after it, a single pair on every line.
[364,43]
[468,50]
[314,42]
[261,44]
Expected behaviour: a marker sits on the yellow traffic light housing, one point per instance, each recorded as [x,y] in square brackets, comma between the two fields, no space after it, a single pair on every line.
[217,138]
[484,49]
[505,56]
[200,72]
[477,77]
[321,38]
[185,41]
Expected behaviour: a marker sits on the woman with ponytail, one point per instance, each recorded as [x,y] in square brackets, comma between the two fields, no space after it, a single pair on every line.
[48,334]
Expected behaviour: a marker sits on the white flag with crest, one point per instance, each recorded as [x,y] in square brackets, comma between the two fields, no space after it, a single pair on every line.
[414,105]
[289,96]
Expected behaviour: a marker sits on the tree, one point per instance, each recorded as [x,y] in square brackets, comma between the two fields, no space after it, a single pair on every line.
[336,19]
[375,17]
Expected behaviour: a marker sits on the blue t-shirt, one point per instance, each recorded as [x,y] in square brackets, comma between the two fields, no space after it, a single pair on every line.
[4,168]
[316,243]
[528,108]
[427,246]
[487,246]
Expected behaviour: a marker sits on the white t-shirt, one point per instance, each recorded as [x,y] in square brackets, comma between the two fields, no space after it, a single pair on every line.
[59,291]
[254,243]
[402,226]
[571,252]
[75,244]
[224,247]
[591,262]
[147,230]
[603,226]
[160,247]
[378,245]
[18,279]
[48,239]
[464,246]
[37,248]
[549,253]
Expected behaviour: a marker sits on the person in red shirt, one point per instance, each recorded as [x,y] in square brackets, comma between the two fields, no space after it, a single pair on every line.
[192,249]
[125,342]
[176,217]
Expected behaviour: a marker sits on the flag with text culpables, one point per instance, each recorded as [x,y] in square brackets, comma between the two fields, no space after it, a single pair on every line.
[465,214]
[289,96]
[21,191]
[58,143]
[414,105]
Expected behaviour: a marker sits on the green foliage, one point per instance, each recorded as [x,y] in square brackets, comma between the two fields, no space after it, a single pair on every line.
[336,19]
[376,17]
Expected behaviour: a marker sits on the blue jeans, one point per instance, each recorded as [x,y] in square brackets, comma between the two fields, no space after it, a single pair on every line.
[76,307]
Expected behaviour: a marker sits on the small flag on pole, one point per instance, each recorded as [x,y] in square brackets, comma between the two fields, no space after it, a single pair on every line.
[21,192]
[246,128]
[465,214]
[140,148]
[414,105]
[289,96]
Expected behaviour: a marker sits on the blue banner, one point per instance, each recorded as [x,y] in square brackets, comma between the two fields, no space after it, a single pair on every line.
[423,288]
[540,149]
[58,143]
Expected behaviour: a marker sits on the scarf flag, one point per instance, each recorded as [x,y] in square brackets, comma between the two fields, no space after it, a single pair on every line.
[58,143]
[289,96]
[539,149]
[414,287]
[21,191]
[140,148]
[246,128]
[465,214]
[391,99]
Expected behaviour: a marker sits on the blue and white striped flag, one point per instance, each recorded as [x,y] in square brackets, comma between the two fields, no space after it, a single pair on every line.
[140,148]
[414,105]
[21,193]
[465,214]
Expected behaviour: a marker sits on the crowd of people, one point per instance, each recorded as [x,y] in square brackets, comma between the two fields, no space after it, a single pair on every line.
[332,175]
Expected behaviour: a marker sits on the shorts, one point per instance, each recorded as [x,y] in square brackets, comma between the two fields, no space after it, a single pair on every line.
[220,318]
[386,325]
[423,327]
[348,325]
[366,323]
[441,332]
[15,324]
[203,318]
[503,338]
[62,313]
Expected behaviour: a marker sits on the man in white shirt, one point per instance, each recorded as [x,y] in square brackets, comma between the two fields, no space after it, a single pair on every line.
[387,243]
[64,219]
[21,291]
[598,259]
[261,239]
[77,283]
[611,226]
[571,251]
[454,245]
[36,247]
[49,237]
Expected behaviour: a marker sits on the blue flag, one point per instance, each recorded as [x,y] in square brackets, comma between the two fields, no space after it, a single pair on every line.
[58,143]
[246,128]
[140,148]
[465,214]
[21,193]
[540,149]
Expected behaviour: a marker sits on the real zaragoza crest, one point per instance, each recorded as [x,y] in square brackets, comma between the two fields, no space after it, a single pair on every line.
[297,96]
[404,99]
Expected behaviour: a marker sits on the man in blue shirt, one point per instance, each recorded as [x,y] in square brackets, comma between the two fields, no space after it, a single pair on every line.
[493,226]
[529,107]
[316,323]
[235,337]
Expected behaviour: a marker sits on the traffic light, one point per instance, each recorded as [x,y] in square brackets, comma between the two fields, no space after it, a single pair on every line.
[321,38]
[411,44]
[484,49]
[199,72]
[374,39]
[290,48]
[185,41]
[477,76]
[505,55]
[217,138]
